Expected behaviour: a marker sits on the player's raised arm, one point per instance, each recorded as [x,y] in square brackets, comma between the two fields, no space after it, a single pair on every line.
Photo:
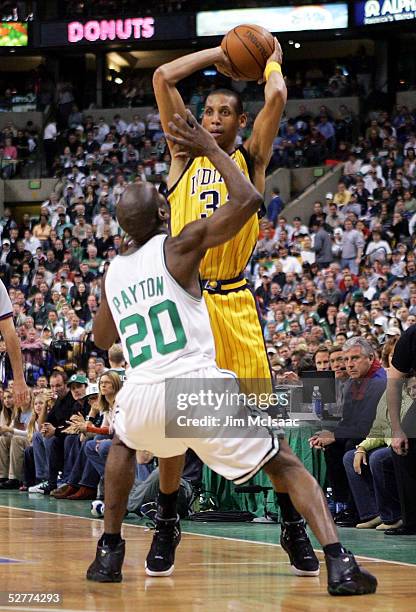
[168,98]
[244,199]
[266,125]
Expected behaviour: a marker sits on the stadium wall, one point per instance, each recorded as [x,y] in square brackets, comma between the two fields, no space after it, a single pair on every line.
[303,205]
[18,191]
[20,120]
[281,180]
[292,181]
[406,98]
[313,105]
[292,108]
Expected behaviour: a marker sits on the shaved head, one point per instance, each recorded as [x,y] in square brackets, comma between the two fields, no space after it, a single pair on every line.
[142,211]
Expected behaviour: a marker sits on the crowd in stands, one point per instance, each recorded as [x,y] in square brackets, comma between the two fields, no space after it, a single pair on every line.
[343,279]
[16,10]
[16,147]
[107,8]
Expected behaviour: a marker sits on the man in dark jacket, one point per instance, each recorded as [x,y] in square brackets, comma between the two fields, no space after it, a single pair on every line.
[367,383]
[58,444]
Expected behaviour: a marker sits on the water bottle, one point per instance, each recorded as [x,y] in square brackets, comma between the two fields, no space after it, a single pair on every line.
[340,507]
[330,501]
[317,402]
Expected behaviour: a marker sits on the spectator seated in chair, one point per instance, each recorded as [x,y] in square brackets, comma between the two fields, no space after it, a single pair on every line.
[367,383]
[144,492]
[13,441]
[370,470]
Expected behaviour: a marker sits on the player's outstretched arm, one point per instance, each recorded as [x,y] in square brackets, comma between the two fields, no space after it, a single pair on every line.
[244,199]
[168,98]
[104,329]
[266,125]
[20,390]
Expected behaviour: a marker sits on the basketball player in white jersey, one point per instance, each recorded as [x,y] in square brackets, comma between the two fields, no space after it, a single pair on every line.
[152,300]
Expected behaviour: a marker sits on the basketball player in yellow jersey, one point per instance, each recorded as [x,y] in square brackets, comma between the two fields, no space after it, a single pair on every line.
[196,190]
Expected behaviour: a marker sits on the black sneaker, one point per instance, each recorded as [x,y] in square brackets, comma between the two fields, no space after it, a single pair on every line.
[295,541]
[10,484]
[346,577]
[161,557]
[346,519]
[107,564]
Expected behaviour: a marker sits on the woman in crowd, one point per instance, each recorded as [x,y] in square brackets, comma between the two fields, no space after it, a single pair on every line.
[13,444]
[41,402]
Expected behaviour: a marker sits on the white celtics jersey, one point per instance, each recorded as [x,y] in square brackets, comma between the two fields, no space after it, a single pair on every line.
[165,332]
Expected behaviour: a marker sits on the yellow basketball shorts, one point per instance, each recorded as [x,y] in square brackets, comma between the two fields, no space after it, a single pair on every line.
[238,335]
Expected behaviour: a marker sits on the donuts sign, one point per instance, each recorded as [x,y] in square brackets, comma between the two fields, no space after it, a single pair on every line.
[111,29]
[117,32]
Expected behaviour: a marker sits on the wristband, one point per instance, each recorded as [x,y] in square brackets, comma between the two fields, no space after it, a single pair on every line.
[272,67]
[358,452]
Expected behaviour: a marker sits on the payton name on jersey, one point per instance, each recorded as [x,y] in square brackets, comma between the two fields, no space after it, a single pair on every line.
[140,291]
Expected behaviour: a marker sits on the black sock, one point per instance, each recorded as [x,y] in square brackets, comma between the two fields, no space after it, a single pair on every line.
[289,513]
[166,504]
[334,550]
[110,539]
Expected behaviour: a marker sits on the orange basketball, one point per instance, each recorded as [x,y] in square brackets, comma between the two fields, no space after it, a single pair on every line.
[248,47]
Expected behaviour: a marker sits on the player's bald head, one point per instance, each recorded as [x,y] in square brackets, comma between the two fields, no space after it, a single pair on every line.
[138,211]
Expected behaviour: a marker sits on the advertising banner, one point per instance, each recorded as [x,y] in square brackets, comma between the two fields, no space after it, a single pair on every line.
[276,19]
[384,11]
[123,30]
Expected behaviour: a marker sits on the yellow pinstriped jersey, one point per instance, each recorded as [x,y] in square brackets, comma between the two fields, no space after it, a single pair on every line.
[197,194]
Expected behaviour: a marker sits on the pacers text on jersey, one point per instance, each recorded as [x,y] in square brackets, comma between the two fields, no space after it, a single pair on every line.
[205,176]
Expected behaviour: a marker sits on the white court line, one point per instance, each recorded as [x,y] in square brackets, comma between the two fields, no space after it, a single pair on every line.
[203,535]
[242,563]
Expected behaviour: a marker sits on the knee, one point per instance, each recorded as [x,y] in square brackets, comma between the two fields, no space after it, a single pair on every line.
[5,441]
[375,459]
[104,448]
[284,462]
[116,446]
[90,447]
[37,437]
[348,459]
[16,442]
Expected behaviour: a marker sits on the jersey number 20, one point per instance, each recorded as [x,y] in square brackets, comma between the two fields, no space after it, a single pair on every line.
[139,322]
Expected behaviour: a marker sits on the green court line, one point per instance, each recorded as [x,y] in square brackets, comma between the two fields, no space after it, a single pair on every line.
[368,543]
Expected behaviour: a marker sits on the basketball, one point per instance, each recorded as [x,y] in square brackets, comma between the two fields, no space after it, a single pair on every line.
[248,47]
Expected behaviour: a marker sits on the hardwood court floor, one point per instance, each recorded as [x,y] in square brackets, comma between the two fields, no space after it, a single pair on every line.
[49,552]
